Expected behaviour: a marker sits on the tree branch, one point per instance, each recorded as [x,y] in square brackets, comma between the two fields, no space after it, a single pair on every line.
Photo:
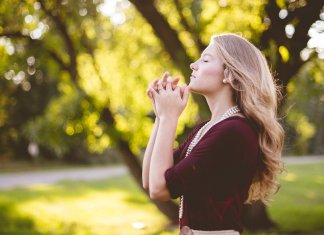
[14,34]
[58,59]
[166,34]
[276,32]
[66,37]
[53,54]
[187,27]
[169,38]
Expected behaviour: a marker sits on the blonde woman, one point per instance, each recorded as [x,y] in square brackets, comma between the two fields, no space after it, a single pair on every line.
[227,161]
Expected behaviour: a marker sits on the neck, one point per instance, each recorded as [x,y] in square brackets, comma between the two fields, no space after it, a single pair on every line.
[219,104]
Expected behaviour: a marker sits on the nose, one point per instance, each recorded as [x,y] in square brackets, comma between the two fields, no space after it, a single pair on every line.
[193,66]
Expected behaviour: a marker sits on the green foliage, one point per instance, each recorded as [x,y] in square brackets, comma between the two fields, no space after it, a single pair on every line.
[235,16]
[108,73]
[58,127]
[19,103]
[305,102]
[72,62]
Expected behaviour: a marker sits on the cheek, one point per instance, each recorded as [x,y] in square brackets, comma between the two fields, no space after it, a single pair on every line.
[213,73]
[209,79]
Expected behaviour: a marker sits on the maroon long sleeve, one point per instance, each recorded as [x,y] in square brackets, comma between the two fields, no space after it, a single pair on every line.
[216,176]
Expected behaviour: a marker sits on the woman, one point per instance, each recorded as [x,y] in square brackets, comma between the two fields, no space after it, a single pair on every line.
[227,161]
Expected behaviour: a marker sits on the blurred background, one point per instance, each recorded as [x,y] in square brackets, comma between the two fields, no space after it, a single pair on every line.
[75,119]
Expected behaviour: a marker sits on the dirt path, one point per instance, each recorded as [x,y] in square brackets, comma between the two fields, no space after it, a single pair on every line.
[304,159]
[11,180]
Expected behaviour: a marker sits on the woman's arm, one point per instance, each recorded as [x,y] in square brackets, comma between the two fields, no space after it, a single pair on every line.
[162,159]
[150,145]
[148,154]
[169,106]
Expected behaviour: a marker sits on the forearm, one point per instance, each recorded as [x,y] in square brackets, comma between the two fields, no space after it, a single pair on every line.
[148,154]
[162,158]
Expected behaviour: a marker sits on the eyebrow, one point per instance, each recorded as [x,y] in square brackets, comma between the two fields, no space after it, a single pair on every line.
[204,54]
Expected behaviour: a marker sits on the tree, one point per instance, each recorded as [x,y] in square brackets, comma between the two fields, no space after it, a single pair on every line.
[66,45]
[72,42]
[306,114]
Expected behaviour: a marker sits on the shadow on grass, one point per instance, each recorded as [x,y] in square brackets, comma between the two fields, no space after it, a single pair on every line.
[13,223]
[13,220]
[76,189]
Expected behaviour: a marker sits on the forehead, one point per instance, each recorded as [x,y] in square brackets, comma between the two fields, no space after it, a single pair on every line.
[210,50]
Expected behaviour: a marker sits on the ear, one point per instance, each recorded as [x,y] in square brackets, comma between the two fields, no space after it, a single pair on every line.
[228,75]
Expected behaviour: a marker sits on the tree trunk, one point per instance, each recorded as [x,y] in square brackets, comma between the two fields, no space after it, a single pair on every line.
[169,209]
[171,42]
[255,217]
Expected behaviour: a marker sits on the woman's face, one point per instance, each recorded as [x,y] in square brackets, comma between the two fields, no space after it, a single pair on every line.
[207,72]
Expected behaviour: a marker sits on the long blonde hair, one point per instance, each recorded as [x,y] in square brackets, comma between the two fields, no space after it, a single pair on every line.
[257,95]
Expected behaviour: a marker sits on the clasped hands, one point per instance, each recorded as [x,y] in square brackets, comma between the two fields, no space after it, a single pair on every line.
[168,99]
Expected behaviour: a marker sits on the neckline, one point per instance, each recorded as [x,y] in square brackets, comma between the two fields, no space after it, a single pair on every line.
[231,117]
[216,124]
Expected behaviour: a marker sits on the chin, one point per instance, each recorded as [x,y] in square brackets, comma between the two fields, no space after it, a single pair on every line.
[202,90]
[194,89]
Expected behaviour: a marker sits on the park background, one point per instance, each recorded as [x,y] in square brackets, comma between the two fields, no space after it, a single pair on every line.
[73,75]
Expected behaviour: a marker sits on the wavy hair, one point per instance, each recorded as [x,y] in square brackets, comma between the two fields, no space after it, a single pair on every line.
[257,94]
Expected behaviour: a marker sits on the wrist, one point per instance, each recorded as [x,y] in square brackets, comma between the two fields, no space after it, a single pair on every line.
[168,119]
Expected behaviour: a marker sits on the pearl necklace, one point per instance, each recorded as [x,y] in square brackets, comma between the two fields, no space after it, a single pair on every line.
[196,139]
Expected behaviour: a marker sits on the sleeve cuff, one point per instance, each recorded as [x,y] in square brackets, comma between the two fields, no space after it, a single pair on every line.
[172,183]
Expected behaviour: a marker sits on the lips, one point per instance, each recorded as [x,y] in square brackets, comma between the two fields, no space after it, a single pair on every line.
[192,76]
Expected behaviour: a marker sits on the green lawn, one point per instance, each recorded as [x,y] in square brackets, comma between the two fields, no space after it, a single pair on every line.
[299,205]
[118,206]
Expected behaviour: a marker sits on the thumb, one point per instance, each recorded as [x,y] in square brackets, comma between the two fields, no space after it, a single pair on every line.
[185,95]
[152,92]
[182,88]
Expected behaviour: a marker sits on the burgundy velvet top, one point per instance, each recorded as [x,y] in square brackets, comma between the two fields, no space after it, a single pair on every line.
[216,175]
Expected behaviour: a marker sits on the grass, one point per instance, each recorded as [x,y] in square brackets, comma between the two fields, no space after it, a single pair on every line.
[100,207]
[298,208]
[118,206]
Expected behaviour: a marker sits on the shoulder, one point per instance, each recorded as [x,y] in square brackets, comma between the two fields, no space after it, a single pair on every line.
[197,127]
[236,128]
[234,136]
[237,123]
